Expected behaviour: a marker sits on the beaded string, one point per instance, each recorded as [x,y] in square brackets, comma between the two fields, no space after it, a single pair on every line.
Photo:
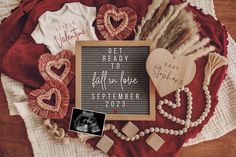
[186,123]
[59,133]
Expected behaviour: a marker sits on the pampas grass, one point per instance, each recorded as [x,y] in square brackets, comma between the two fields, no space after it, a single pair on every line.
[173,28]
[159,13]
[187,44]
[161,27]
[201,52]
[145,24]
[149,24]
[197,45]
[184,35]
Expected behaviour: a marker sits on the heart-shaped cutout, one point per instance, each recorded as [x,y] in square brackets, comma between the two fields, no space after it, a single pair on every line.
[121,16]
[115,22]
[40,100]
[45,100]
[59,67]
[50,100]
[124,22]
[169,73]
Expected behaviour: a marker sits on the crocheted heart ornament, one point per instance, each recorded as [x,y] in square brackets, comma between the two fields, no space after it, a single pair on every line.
[60,67]
[50,101]
[116,23]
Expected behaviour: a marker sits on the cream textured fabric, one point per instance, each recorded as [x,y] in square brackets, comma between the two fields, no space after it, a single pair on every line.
[46,146]
[223,121]
[6,6]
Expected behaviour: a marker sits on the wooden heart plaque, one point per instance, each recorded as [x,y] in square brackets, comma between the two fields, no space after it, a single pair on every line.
[169,73]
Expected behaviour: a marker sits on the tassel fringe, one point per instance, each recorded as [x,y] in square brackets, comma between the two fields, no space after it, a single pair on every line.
[215,61]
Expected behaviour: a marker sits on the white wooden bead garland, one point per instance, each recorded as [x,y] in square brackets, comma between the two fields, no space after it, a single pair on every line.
[187,123]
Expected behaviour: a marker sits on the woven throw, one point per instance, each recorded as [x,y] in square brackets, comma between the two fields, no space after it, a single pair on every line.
[223,121]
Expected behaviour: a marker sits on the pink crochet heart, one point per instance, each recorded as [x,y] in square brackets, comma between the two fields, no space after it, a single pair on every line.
[40,100]
[116,30]
[59,67]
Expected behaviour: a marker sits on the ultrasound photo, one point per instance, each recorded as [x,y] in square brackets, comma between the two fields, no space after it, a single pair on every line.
[85,121]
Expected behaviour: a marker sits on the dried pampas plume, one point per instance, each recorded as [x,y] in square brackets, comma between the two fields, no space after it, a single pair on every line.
[215,61]
[178,31]
[197,45]
[184,35]
[201,52]
[146,22]
[162,26]
[187,44]
[173,28]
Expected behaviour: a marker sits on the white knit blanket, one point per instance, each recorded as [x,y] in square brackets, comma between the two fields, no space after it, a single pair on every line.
[223,121]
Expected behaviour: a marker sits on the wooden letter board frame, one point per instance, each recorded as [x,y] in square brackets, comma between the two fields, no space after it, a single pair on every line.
[142,117]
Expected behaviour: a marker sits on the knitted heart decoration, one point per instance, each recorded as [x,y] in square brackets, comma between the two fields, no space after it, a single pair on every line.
[59,67]
[125,20]
[169,73]
[40,100]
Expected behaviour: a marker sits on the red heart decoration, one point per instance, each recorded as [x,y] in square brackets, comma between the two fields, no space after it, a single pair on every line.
[59,67]
[39,99]
[104,24]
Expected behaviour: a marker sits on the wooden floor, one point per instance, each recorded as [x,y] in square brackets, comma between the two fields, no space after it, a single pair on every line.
[13,137]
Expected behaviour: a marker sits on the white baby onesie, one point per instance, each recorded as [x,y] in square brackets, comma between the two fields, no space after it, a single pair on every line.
[60,29]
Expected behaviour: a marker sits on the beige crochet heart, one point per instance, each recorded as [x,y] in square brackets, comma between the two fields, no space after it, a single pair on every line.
[48,96]
[125,20]
[58,65]
[43,103]
[117,16]
[169,73]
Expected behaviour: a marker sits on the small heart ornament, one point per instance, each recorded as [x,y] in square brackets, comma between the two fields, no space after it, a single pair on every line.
[169,73]
[124,22]
[42,102]
[59,67]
